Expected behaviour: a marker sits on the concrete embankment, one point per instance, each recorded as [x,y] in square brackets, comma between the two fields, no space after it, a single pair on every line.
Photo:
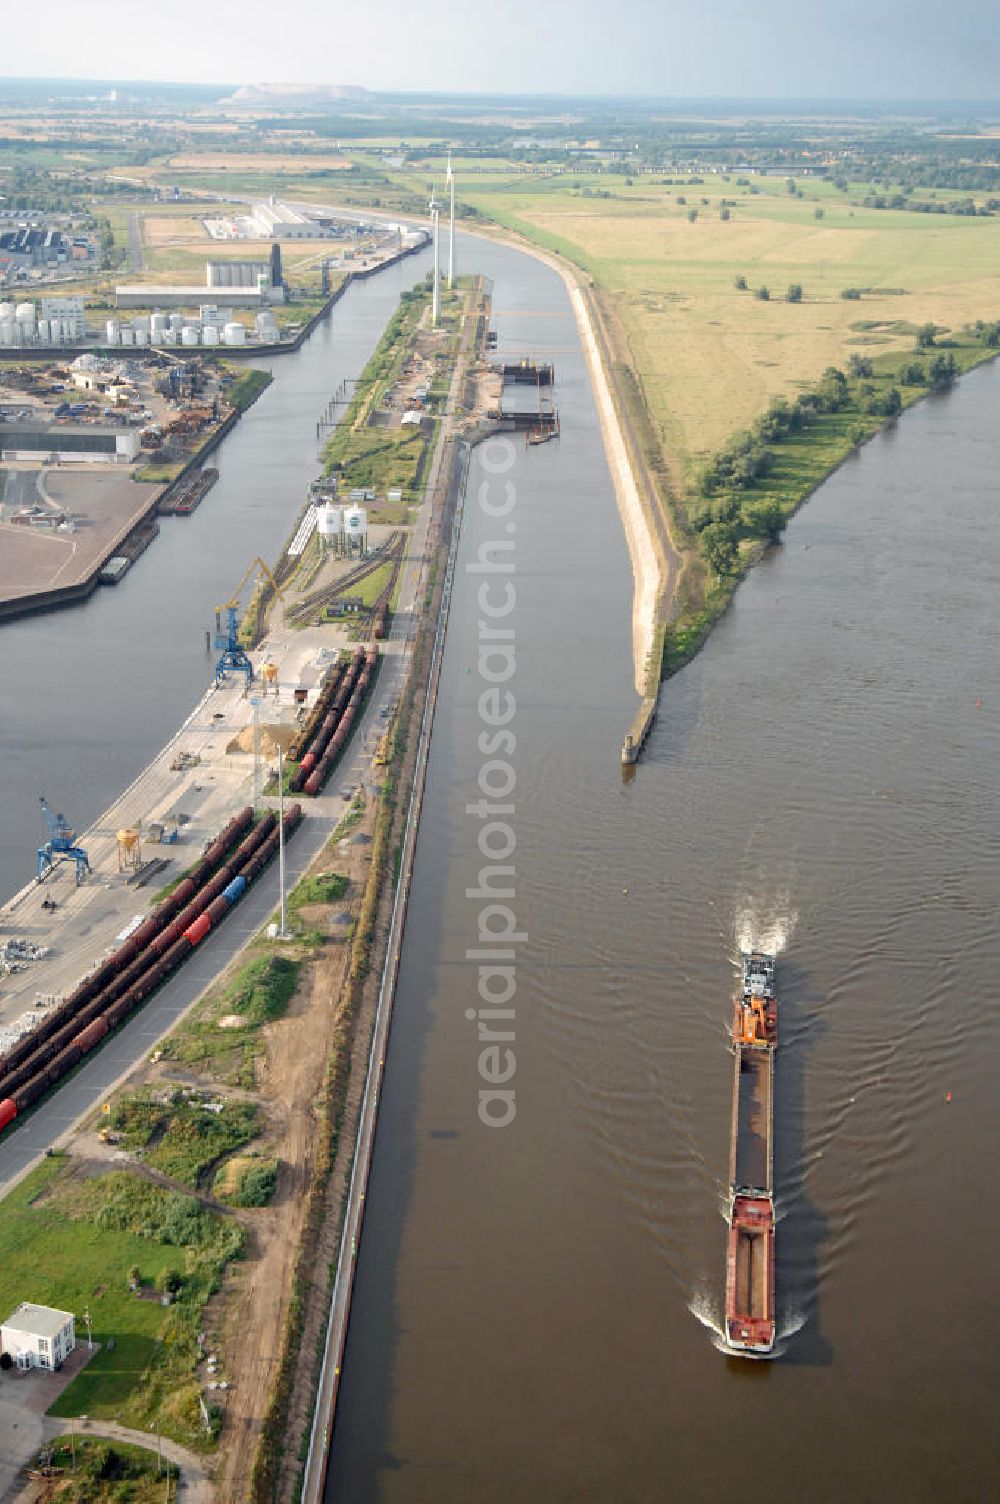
[448,472]
[648,566]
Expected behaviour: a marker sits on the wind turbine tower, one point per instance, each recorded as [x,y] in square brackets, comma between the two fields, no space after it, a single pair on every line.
[451,230]
[435,213]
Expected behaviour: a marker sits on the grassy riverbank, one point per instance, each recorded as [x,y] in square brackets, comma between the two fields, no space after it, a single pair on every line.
[723,294]
[745,495]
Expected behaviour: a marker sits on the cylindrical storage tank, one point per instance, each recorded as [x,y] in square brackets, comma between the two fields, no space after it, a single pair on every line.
[235,333]
[142,336]
[8,1112]
[157,336]
[7,327]
[55,331]
[329,520]
[177,322]
[158,322]
[190,335]
[170,336]
[111,331]
[43,331]
[128,338]
[210,335]
[24,314]
[6,310]
[197,931]
[141,321]
[355,524]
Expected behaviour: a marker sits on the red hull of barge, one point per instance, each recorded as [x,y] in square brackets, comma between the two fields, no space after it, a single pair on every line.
[750,1308]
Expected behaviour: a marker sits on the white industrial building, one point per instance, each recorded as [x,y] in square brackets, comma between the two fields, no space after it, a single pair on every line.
[38,1336]
[136,295]
[22,441]
[277,221]
[68,311]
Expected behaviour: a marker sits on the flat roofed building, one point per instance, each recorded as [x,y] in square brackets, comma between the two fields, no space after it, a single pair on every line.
[64,442]
[277,221]
[235,273]
[38,1336]
[138,296]
[70,310]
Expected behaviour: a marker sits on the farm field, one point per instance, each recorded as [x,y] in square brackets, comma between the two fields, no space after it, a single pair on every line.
[709,356]
[215,161]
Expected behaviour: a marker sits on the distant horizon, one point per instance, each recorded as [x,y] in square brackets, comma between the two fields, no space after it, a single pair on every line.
[645,49]
[388,94]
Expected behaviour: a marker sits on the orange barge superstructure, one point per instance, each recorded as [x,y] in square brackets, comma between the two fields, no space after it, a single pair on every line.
[750,1315]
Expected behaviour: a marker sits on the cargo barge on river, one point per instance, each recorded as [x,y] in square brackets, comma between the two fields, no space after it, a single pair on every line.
[750,1314]
[181,500]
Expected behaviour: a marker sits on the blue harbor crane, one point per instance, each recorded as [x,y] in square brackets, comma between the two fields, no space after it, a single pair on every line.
[61,845]
[234,656]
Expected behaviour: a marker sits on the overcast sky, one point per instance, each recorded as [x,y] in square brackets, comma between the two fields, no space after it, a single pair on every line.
[736,48]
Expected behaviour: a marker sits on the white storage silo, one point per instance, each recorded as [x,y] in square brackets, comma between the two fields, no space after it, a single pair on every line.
[111,331]
[141,334]
[210,335]
[128,338]
[330,524]
[24,318]
[6,312]
[235,333]
[7,327]
[43,331]
[141,321]
[177,322]
[159,321]
[55,331]
[190,335]
[170,336]
[356,527]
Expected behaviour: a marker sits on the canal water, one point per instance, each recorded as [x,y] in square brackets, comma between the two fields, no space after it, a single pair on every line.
[537,1306]
[90,693]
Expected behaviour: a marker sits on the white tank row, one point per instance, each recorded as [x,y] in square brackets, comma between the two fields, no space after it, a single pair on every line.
[161,329]
[44,332]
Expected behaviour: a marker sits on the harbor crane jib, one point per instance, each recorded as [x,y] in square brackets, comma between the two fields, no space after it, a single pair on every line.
[61,845]
[234,656]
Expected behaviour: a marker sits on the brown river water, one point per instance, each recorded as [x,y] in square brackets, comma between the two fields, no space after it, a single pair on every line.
[537,1306]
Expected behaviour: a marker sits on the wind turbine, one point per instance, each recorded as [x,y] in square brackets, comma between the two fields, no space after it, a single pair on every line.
[435,213]
[451,232]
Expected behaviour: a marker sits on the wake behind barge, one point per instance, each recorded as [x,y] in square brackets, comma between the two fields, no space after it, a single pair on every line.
[750,1316]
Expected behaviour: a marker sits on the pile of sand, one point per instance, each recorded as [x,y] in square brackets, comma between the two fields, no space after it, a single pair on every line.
[244,742]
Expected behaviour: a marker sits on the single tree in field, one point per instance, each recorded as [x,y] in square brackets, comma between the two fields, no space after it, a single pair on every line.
[795,293]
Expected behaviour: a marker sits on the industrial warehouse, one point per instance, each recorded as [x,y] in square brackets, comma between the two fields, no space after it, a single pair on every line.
[52,443]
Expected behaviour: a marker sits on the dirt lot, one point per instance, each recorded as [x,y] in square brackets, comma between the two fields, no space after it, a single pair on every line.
[162,229]
[246,1320]
[238,161]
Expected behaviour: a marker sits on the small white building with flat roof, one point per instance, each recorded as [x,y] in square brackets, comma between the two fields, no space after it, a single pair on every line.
[38,1336]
